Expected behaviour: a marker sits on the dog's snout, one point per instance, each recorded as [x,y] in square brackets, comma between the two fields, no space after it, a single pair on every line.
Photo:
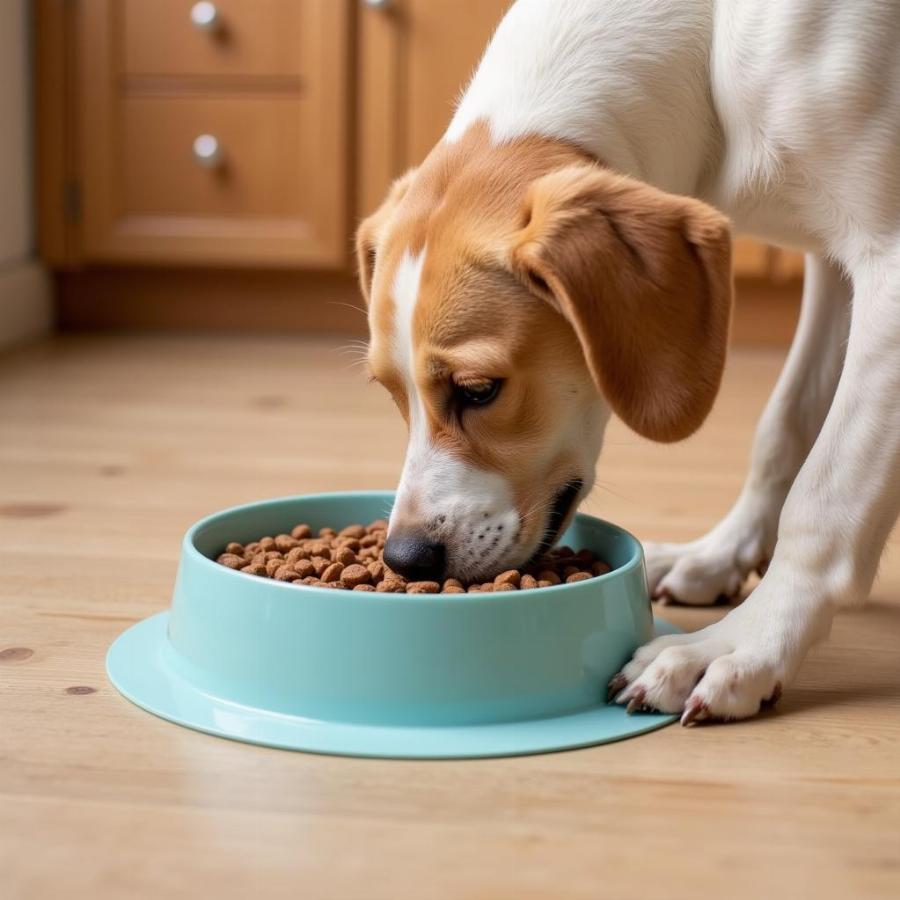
[413,556]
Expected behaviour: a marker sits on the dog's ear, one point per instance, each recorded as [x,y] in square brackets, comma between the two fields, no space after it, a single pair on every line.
[369,231]
[644,278]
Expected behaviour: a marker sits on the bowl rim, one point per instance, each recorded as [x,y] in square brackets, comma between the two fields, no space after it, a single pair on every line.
[189,550]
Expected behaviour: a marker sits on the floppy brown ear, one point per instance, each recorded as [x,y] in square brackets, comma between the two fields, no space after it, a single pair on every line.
[368,233]
[644,278]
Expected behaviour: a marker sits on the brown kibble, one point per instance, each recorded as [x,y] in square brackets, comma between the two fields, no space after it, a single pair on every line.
[332,572]
[511,577]
[232,561]
[284,542]
[423,587]
[294,556]
[578,576]
[345,556]
[352,559]
[354,575]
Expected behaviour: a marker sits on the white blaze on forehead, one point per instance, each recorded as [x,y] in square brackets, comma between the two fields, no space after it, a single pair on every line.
[405,295]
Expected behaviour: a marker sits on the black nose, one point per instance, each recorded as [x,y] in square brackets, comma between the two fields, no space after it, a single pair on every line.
[414,557]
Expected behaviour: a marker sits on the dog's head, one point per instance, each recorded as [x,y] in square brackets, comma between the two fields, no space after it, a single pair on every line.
[518,294]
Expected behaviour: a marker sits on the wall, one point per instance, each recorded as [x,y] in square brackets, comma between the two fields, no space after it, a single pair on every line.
[25,305]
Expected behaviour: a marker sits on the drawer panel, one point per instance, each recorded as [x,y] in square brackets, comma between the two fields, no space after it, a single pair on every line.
[249,38]
[262,169]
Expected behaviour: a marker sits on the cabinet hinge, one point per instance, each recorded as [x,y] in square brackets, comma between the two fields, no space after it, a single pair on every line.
[71,201]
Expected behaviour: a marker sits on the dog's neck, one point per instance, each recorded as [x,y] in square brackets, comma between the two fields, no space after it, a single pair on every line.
[581,72]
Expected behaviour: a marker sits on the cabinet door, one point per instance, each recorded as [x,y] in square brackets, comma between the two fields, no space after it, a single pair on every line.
[265,88]
[416,56]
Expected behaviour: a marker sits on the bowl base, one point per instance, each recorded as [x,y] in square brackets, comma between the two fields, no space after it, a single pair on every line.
[136,666]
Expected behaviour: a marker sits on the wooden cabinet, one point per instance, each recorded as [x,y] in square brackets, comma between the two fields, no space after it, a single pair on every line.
[305,110]
[225,144]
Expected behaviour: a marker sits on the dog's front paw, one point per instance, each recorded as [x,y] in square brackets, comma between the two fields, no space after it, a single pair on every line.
[700,572]
[704,675]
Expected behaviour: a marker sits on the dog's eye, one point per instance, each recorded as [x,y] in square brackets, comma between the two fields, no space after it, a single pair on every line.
[478,393]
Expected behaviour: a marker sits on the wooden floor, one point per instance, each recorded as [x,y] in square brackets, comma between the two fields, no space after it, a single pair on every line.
[110,447]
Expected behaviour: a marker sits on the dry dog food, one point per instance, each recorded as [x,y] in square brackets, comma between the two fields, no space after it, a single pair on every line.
[350,559]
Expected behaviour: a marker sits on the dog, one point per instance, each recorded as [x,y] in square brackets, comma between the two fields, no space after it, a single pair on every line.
[563,254]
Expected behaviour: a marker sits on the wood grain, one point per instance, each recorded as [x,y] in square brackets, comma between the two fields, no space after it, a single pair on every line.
[111,447]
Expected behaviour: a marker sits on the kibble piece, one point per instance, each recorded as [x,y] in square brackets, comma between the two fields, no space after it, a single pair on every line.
[364,587]
[550,576]
[423,587]
[332,572]
[544,583]
[305,568]
[252,548]
[235,548]
[368,541]
[327,533]
[570,570]
[452,582]
[453,589]
[255,569]
[473,589]
[345,556]
[354,575]
[294,556]
[273,565]
[578,576]
[353,531]
[284,542]
[286,573]
[376,568]
[320,564]
[511,577]
[266,544]
[301,531]
[387,587]
[319,548]
[505,586]
[528,582]
[232,561]
[562,551]
[487,587]
[599,568]
[377,525]
[352,543]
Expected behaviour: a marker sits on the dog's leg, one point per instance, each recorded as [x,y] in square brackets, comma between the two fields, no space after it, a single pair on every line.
[718,563]
[831,533]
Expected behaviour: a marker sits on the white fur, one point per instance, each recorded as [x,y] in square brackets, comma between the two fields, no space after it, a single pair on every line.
[469,510]
[786,115]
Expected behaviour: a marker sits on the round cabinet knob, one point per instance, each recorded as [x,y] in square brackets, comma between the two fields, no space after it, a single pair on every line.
[208,151]
[205,16]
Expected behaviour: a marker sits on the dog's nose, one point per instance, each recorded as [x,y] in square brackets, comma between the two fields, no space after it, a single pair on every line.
[414,557]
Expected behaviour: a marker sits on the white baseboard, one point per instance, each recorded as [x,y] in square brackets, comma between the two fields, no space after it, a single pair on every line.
[26,304]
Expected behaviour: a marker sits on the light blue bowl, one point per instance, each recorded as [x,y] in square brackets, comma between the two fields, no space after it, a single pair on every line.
[386,674]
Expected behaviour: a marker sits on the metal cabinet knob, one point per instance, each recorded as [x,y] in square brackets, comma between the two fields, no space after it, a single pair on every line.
[205,16]
[208,151]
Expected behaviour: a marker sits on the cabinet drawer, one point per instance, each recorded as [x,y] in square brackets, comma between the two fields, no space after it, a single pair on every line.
[262,37]
[260,169]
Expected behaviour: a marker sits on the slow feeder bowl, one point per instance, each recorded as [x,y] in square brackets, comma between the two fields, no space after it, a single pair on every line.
[387,674]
